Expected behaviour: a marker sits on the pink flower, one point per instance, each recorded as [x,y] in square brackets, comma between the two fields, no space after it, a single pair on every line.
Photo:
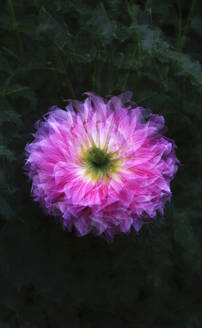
[101,167]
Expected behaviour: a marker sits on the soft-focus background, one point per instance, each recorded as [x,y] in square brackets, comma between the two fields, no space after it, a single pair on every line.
[51,50]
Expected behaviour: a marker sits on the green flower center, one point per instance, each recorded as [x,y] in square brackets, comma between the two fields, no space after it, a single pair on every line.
[99,164]
[98,159]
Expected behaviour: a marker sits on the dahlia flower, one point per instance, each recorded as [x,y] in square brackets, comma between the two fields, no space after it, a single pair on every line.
[101,167]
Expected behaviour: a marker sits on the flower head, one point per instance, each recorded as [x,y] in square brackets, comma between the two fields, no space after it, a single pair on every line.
[101,167]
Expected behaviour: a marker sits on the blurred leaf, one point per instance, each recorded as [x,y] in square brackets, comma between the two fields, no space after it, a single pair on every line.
[3,325]
[6,153]
[53,29]
[194,322]
[4,65]
[6,211]
[184,235]
[149,37]
[10,116]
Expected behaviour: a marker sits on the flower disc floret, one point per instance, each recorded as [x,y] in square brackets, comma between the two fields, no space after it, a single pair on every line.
[99,164]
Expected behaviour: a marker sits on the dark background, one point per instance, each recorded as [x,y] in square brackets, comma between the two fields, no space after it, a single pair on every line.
[50,50]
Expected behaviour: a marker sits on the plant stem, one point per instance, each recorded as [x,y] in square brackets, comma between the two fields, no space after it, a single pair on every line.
[182,39]
[15,26]
[64,72]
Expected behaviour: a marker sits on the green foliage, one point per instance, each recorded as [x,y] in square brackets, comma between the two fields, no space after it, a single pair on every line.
[52,50]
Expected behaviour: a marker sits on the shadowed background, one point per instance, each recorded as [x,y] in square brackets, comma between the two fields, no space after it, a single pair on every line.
[58,49]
